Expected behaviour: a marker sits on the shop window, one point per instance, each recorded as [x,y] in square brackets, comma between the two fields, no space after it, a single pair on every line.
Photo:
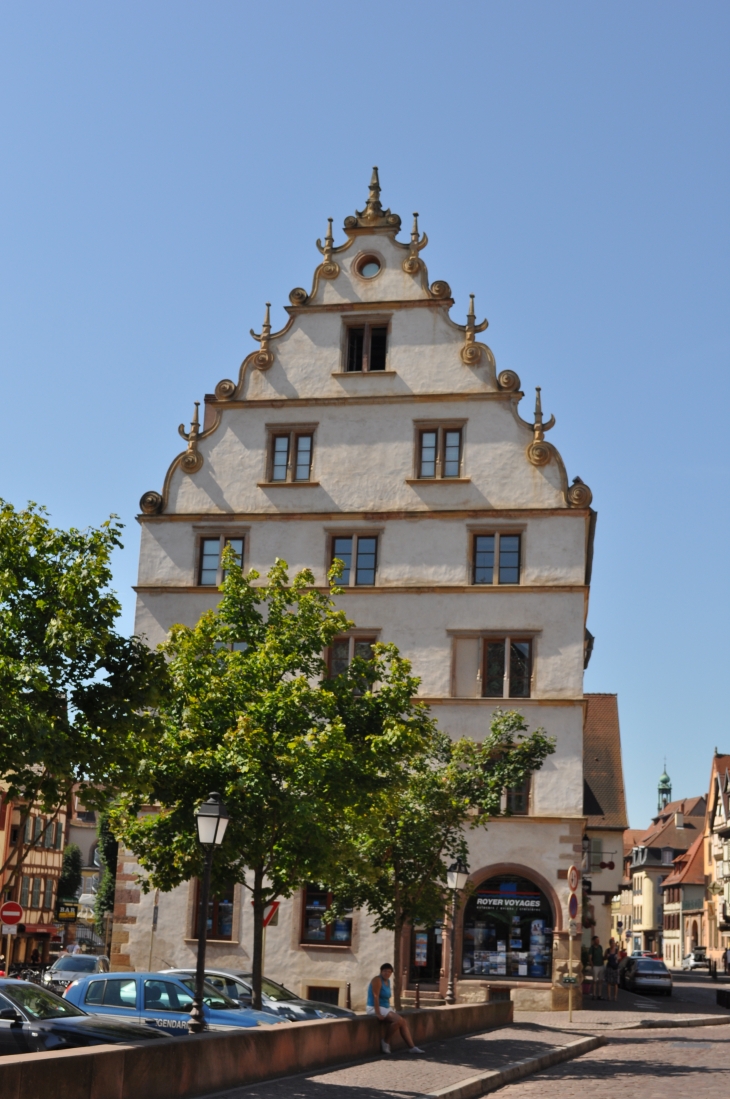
[220,914]
[508,930]
[315,930]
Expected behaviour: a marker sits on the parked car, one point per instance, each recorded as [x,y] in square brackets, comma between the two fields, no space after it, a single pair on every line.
[36,1020]
[696,960]
[70,966]
[275,999]
[161,1000]
[645,975]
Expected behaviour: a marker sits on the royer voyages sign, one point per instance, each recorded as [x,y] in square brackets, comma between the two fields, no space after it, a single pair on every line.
[509,902]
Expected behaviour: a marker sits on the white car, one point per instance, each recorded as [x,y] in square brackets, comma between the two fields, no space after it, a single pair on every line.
[695,960]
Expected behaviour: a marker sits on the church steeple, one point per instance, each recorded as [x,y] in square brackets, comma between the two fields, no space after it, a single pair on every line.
[664,789]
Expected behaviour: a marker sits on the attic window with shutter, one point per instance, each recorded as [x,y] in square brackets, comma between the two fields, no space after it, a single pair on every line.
[366,346]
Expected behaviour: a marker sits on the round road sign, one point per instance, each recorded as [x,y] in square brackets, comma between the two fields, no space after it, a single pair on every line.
[573,879]
[11,913]
[573,906]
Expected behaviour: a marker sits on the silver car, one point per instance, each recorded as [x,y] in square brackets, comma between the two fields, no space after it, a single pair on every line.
[647,975]
[696,960]
[275,999]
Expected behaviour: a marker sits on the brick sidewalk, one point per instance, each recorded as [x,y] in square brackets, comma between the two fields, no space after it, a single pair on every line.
[657,1064]
[405,1074]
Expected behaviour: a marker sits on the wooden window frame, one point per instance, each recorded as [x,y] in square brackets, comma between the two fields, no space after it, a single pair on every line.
[223,538]
[355,535]
[35,896]
[214,933]
[48,894]
[497,533]
[367,323]
[352,636]
[485,637]
[328,927]
[420,427]
[292,432]
[526,789]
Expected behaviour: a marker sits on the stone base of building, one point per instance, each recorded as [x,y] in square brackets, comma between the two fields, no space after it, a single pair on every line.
[532,996]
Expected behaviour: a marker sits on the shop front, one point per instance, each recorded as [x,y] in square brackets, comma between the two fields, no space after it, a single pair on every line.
[508,930]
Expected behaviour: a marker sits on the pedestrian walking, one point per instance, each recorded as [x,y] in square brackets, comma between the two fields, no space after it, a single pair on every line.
[610,962]
[596,958]
[727,960]
[378,1004]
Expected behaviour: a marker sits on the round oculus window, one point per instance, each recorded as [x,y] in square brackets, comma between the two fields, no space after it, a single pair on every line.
[369,267]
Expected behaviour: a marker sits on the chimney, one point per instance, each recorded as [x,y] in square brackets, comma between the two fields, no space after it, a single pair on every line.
[679,820]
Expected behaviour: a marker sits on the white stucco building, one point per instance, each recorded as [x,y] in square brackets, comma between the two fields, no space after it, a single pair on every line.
[376,428]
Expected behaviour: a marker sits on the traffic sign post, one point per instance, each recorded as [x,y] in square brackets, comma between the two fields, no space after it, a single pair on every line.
[10,916]
[11,913]
[570,980]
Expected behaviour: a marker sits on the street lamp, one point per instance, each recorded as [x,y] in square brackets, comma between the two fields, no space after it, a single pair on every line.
[212,820]
[456,878]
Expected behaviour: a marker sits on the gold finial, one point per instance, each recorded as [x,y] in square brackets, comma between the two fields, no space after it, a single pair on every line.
[373,216]
[192,460]
[264,358]
[539,428]
[329,268]
[412,264]
[471,352]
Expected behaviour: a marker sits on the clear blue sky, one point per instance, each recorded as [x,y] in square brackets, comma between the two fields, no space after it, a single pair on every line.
[167,168]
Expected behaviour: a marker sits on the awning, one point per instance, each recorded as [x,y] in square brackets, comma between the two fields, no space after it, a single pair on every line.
[38,929]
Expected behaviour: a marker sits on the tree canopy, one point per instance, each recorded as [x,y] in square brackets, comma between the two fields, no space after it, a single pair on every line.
[76,697]
[251,713]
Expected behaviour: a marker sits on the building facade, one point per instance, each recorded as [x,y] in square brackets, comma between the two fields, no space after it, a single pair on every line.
[31,852]
[683,893]
[716,856]
[672,832]
[374,428]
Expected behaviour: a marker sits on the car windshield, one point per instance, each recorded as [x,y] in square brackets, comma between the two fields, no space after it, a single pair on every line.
[75,963]
[275,991]
[214,999]
[646,965]
[39,1003]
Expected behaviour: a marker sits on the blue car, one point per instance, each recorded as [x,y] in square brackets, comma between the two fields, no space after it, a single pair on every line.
[160,1000]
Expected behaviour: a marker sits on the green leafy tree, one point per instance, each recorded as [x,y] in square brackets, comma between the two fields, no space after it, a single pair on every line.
[399,852]
[252,714]
[69,882]
[107,848]
[75,695]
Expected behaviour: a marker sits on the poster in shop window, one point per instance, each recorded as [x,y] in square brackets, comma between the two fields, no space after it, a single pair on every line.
[421,949]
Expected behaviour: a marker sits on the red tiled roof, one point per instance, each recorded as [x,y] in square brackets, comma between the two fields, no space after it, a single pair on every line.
[688,868]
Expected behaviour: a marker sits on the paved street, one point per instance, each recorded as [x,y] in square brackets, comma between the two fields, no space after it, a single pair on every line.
[660,1064]
[672,1063]
[403,1074]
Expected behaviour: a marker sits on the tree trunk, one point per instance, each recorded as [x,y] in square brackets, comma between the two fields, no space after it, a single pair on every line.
[258,936]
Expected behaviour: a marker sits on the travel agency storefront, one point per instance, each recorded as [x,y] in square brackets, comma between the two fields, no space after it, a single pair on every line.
[509,940]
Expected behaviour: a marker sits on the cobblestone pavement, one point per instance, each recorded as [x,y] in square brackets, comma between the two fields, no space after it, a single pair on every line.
[658,1064]
[407,1075]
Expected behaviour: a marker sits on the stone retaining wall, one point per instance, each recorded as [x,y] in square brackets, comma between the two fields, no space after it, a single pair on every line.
[183,1068]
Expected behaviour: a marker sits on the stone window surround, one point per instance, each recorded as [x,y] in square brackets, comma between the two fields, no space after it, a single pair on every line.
[440,425]
[353,531]
[473,529]
[217,530]
[293,430]
[531,635]
[362,320]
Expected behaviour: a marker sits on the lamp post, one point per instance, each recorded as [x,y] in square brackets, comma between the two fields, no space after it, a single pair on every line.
[456,878]
[212,820]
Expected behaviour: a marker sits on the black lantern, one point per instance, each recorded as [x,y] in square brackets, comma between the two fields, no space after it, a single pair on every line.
[457,876]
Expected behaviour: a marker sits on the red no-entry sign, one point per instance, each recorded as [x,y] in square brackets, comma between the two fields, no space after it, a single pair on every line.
[11,913]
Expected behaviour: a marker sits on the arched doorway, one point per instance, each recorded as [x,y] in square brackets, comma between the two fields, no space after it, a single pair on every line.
[508,930]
